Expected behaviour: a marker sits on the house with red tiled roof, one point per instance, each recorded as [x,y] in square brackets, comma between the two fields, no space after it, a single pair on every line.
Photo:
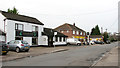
[71,31]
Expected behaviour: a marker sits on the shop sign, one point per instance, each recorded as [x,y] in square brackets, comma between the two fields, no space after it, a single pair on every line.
[26,34]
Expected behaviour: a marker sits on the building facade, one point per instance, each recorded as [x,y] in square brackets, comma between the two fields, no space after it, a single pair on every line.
[20,27]
[72,31]
[50,37]
[2,36]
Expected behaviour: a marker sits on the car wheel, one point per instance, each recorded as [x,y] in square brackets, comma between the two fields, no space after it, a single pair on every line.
[27,50]
[79,44]
[17,50]
[68,43]
[4,53]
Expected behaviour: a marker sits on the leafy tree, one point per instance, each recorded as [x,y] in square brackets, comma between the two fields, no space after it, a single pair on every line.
[105,36]
[95,31]
[14,10]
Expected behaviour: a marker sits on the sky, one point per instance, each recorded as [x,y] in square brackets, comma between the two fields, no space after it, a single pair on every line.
[86,14]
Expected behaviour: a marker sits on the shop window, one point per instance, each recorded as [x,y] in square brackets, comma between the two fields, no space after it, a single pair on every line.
[60,39]
[63,39]
[56,39]
[18,38]
[34,41]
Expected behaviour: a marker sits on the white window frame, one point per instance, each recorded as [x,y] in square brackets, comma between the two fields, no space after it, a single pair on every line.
[77,33]
[62,31]
[67,31]
[80,33]
[73,31]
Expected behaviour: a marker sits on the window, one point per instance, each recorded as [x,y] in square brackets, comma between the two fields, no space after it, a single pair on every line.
[63,39]
[62,31]
[34,28]
[60,39]
[67,31]
[56,39]
[77,32]
[84,33]
[19,26]
[80,33]
[73,32]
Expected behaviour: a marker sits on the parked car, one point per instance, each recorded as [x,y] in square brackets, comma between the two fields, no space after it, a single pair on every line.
[73,41]
[99,42]
[107,42]
[92,42]
[4,48]
[18,45]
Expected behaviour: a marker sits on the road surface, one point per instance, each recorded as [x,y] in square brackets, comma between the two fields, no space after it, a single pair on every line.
[84,56]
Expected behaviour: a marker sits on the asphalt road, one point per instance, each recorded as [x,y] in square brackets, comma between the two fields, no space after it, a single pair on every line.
[84,56]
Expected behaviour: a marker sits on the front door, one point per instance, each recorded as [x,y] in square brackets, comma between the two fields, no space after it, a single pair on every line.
[50,41]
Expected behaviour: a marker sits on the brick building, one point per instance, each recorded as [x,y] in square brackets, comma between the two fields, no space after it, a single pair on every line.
[71,31]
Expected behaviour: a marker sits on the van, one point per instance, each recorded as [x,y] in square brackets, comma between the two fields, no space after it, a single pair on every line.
[73,41]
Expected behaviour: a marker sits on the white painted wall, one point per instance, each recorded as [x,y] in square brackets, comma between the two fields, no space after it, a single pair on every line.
[10,30]
[26,27]
[28,39]
[44,40]
[60,43]
[2,22]
[2,38]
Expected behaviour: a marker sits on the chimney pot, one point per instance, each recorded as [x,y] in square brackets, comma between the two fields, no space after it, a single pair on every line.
[73,24]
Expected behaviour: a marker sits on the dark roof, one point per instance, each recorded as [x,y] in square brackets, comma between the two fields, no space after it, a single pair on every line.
[2,33]
[50,32]
[96,36]
[67,26]
[22,18]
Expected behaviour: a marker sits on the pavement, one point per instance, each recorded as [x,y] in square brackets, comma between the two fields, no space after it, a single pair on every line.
[109,59]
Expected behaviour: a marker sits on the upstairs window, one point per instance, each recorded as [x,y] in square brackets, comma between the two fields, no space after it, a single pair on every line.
[73,32]
[34,28]
[67,31]
[77,32]
[80,33]
[19,26]
[62,31]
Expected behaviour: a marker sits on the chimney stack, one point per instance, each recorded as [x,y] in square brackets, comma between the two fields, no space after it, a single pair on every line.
[73,24]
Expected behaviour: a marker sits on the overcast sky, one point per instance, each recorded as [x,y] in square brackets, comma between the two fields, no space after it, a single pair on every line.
[85,13]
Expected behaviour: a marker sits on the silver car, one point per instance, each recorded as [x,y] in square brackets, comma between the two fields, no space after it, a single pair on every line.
[18,45]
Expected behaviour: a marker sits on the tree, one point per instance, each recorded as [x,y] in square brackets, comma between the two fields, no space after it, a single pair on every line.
[105,36]
[95,31]
[14,10]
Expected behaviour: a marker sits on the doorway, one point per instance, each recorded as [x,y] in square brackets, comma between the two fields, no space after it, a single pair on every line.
[50,41]
[34,41]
